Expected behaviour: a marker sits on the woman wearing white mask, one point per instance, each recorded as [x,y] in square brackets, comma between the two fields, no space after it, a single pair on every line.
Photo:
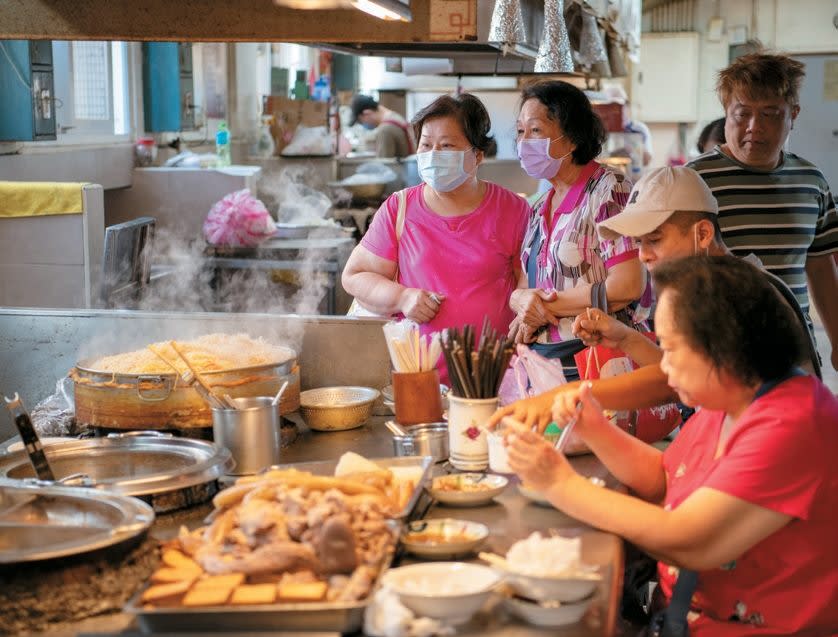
[456,259]
[567,265]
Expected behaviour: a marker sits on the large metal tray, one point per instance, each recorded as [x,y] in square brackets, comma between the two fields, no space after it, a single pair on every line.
[343,617]
[423,463]
[42,521]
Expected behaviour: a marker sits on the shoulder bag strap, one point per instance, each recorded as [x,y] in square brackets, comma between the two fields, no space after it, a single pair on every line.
[401,215]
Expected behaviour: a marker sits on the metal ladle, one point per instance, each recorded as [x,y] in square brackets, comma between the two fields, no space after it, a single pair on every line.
[276,399]
[30,439]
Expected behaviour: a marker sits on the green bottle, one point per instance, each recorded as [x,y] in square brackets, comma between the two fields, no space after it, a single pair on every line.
[553,433]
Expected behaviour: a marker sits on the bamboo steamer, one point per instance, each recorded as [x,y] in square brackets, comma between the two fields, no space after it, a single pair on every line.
[162,401]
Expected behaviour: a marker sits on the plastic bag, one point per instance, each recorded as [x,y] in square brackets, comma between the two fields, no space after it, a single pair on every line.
[239,219]
[649,424]
[529,374]
[55,415]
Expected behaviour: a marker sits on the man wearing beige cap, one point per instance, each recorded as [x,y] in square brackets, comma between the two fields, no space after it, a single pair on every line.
[672,214]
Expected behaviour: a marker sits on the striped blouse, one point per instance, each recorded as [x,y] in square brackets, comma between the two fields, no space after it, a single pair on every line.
[782,215]
[570,251]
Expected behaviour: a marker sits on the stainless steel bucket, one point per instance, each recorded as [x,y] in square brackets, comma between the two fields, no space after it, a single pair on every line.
[251,433]
[428,439]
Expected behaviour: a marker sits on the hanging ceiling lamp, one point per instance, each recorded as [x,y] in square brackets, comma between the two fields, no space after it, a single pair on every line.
[507,26]
[554,54]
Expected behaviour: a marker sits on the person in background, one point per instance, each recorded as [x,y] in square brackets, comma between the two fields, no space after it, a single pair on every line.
[711,136]
[565,262]
[393,135]
[673,215]
[456,260]
[746,497]
[773,203]
[617,94]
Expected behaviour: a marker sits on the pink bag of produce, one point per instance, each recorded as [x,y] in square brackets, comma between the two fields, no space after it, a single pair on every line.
[239,219]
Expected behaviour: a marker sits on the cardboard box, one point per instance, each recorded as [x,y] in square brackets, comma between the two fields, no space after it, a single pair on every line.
[288,114]
[613,116]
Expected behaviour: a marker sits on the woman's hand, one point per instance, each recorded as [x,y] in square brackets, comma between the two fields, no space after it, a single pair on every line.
[581,405]
[595,327]
[520,332]
[419,305]
[534,459]
[535,412]
[528,303]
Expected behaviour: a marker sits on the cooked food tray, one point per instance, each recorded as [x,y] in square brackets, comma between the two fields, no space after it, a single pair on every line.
[344,617]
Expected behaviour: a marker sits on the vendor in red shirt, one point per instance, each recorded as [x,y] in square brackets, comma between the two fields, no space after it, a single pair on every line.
[747,495]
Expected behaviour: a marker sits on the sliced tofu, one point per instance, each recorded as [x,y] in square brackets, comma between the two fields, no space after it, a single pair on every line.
[254,594]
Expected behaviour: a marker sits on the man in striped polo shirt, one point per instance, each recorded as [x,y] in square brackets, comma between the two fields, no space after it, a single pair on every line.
[772,203]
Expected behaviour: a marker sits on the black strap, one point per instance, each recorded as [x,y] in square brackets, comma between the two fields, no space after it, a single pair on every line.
[673,621]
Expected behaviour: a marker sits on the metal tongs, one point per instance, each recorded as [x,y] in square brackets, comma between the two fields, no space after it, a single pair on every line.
[192,379]
[31,442]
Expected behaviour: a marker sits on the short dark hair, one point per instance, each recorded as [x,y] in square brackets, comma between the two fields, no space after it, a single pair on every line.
[713,130]
[572,110]
[729,311]
[686,219]
[361,103]
[469,113]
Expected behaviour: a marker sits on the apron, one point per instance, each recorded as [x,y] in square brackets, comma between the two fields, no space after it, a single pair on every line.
[410,147]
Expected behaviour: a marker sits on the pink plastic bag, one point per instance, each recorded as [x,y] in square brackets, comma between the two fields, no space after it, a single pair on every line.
[529,374]
[239,219]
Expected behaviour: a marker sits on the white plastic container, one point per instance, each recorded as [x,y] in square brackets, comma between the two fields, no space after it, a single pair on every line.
[468,447]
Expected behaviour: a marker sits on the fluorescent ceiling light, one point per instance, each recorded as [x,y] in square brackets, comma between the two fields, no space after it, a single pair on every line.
[383,9]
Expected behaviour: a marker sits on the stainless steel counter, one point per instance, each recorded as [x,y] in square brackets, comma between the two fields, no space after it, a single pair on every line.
[509,518]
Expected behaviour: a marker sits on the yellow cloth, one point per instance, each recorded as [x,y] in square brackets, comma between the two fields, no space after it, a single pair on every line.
[38,198]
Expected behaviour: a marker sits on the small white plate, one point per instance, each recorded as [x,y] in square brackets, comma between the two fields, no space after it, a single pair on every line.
[443,539]
[549,614]
[472,489]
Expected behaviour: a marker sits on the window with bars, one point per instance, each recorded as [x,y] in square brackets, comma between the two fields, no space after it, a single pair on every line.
[91,88]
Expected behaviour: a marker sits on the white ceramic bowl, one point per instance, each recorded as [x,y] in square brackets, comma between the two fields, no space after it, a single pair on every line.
[443,539]
[548,615]
[448,591]
[474,489]
[570,588]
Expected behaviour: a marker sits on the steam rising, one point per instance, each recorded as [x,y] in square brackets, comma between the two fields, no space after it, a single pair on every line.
[183,281]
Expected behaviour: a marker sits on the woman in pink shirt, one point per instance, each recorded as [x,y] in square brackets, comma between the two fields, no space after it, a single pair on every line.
[567,265]
[741,509]
[457,258]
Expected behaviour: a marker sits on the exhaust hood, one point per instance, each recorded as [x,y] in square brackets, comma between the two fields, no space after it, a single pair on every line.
[469,57]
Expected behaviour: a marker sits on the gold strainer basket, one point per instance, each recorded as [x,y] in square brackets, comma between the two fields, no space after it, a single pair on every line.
[337,408]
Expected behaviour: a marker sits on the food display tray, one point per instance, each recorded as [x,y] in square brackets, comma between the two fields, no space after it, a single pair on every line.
[343,617]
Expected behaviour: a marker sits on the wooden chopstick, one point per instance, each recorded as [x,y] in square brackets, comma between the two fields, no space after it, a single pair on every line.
[212,397]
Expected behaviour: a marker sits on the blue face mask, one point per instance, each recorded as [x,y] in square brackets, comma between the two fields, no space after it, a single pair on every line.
[368,126]
[442,170]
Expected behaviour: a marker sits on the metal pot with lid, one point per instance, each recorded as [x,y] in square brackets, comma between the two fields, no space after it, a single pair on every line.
[168,472]
[44,521]
[117,400]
